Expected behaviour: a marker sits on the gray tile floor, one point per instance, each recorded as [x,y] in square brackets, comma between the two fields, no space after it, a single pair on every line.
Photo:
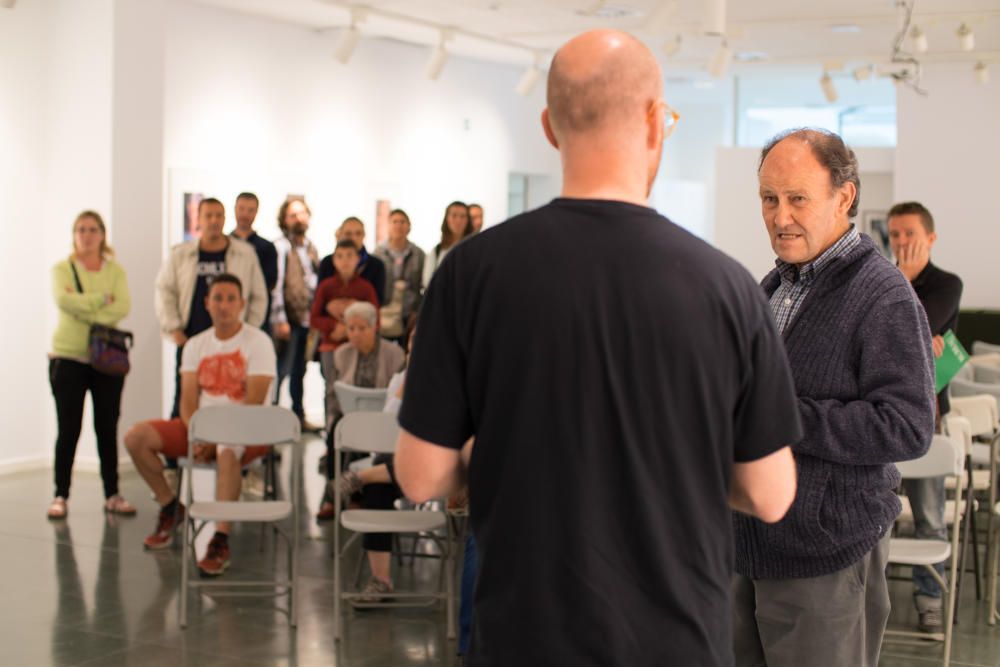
[83,592]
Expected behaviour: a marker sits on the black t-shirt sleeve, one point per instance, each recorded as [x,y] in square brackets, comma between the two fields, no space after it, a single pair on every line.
[767,415]
[435,398]
[325,270]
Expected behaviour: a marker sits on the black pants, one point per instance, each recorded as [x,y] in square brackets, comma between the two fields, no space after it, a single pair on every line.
[70,380]
[380,497]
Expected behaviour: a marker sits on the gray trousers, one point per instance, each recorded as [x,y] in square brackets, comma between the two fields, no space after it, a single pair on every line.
[836,620]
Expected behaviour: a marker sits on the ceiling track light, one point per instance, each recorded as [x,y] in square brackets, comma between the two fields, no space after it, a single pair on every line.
[439,56]
[966,38]
[982,72]
[906,69]
[530,77]
[719,63]
[349,37]
[672,47]
[714,18]
[919,39]
[863,73]
[829,90]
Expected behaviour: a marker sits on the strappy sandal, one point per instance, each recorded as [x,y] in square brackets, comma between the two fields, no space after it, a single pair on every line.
[118,505]
[58,509]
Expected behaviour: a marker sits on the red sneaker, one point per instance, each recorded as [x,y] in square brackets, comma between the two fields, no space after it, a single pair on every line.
[166,523]
[216,558]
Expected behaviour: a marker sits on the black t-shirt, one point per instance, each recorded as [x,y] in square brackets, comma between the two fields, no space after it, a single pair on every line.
[612,367]
[210,264]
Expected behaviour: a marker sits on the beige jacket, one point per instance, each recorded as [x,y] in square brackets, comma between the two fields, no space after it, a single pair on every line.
[176,282]
[390,360]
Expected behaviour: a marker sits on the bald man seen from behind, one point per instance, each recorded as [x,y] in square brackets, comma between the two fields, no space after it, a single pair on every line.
[624,385]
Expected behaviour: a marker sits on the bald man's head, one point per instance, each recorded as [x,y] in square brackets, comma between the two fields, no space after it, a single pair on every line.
[602,79]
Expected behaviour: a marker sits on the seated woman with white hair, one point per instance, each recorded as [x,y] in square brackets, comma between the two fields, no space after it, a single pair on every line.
[366,360]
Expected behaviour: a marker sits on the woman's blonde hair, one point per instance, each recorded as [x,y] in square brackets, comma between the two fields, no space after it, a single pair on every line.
[106,251]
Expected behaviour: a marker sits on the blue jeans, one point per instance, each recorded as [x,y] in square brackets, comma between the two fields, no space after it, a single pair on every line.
[292,364]
[927,500]
[469,566]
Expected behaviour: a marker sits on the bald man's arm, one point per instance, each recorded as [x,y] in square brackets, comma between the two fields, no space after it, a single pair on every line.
[764,488]
[426,470]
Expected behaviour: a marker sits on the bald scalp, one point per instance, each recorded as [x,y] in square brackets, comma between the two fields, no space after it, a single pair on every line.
[602,79]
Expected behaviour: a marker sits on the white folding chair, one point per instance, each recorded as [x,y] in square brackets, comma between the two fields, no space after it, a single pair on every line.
[354,399]
[944,458]
[243,425]
[377,432]
[994,614]
[983,416]
[982,347]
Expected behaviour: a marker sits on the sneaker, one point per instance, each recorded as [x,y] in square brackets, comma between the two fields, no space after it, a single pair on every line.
[253,483]
[930,621]
[350,484]
[166,523]
[58,509]
[118,505]
[216,558]
[374,591]
[929,612]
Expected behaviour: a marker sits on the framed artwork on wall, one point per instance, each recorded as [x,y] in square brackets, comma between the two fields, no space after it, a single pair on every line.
[876,225]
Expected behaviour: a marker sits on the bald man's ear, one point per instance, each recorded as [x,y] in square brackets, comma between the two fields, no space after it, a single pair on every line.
[547,126]
[655,125]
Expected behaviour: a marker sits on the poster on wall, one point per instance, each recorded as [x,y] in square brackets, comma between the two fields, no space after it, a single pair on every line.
[382,208]
[191,202]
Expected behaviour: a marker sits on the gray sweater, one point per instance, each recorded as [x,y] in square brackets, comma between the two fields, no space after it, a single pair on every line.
[860,354]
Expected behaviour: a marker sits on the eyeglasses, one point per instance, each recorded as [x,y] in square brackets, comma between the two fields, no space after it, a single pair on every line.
[670,120]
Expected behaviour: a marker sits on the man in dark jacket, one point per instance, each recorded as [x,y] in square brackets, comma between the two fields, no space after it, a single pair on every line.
[811,589]
[911,235]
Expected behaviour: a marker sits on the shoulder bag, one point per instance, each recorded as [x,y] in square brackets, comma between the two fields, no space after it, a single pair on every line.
[108,347]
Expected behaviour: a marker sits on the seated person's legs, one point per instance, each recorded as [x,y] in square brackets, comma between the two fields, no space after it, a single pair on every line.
[379,545]
[229,462]
[145,442]
[927,499]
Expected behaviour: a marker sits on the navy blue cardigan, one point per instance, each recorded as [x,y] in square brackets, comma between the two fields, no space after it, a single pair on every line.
[860,353]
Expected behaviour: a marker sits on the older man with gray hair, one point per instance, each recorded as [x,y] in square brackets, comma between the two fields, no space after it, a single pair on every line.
[811,588]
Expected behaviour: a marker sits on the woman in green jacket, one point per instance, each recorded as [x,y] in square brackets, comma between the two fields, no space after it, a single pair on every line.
[89,288]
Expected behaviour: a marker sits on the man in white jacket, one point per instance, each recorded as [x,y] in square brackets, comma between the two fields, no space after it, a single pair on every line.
[183,281]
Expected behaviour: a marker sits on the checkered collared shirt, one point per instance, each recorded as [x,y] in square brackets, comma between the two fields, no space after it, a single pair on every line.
[796,281]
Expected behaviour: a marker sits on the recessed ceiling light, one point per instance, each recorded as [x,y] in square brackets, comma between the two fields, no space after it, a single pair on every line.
[604,10]
[750,56]
[845,27]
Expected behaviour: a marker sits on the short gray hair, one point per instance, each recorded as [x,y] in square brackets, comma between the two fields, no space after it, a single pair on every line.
[361,309]
[831,152]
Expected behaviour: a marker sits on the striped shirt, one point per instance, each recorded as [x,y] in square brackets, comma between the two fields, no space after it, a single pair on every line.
[796,281]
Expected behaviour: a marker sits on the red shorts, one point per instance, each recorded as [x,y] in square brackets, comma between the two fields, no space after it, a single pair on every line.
[173,433]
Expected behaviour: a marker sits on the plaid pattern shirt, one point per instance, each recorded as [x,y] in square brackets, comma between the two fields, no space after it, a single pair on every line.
[796,281]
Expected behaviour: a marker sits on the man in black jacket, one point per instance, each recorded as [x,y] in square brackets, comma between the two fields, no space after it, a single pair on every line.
[911,235]
[370,267]
[245,210]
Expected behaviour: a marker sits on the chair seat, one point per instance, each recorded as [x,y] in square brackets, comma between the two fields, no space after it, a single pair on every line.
[980,454]
[980,481]
[906,516]
[392,521]
[271,510]
[907,551]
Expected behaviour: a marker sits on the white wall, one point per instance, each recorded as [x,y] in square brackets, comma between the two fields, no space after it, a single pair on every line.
[26,424]
[739,228]
[946,159]
[56,134]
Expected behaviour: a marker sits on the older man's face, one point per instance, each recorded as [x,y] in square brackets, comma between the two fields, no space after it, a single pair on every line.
[804,215]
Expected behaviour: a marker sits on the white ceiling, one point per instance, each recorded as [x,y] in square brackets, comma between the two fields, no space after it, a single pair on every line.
[787,33]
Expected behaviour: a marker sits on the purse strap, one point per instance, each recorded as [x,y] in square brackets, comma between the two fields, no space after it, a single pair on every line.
[76,276]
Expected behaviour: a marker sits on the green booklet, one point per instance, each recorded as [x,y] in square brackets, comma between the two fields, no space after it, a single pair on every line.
[950,362]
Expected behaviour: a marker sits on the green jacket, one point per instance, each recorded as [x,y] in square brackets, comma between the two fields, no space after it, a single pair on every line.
[78,311]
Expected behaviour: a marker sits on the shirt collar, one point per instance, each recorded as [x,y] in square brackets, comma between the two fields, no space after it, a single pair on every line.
[807,272]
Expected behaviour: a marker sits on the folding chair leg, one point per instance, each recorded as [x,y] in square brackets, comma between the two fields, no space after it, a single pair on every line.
[448,563]
[185,569]
[966,525]
[994,567]
[975,555]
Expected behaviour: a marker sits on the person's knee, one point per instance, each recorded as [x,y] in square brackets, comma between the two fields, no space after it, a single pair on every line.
[141,437]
